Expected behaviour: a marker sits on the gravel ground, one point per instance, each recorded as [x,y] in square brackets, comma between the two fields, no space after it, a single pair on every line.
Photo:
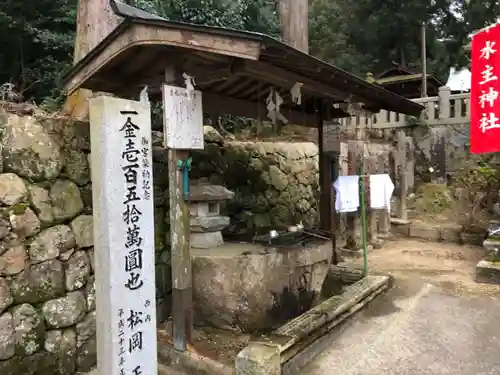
[435,320]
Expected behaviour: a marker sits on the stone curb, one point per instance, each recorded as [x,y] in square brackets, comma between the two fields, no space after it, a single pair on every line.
[413,230]
[297,341]
[319,341]
[488,273]
[190,363]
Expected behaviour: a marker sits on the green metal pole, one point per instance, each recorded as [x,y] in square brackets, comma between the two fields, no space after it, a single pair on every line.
[363,215]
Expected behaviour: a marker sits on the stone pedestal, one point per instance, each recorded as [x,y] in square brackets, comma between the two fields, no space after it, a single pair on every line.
[354,228]
[384,224]
[488,272]
[492,247]
[401,174]
[206,221]
[384,216]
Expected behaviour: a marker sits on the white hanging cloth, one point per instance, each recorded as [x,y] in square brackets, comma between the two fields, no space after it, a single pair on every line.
[346,194]
[381,189]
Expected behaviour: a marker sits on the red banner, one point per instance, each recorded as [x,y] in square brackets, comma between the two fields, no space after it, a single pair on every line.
[485,92]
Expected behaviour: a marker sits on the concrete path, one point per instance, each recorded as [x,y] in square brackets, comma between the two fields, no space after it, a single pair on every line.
[417,329]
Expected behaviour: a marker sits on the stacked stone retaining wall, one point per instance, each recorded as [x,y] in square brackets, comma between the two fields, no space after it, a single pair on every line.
[47,283]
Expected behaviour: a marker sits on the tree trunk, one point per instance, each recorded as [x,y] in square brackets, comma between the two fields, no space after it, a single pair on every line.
[294,21]
[95,21]
[403,57]
[294,24]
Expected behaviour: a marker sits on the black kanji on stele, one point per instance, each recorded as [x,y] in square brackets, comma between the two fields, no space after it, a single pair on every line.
[133,260]
[134,319]
[134,238]
[131,214]
[134,281]
[135,342]
[129,128]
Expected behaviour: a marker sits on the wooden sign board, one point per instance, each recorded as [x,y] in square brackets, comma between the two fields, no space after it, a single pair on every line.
[183,118]
[122,179]
[333,135]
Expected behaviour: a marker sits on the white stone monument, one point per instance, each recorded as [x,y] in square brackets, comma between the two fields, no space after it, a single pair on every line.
[124,236]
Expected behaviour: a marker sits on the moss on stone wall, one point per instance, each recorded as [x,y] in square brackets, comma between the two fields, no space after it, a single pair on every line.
[46,245]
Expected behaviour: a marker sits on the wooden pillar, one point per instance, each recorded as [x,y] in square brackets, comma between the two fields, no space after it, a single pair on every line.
[182,292]
[331,141]
[384,220]
[325,181]
[95,21]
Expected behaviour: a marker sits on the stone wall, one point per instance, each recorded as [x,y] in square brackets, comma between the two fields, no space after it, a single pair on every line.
[444,148]
[47,291]
[276,183]
[47,298]
[47,286]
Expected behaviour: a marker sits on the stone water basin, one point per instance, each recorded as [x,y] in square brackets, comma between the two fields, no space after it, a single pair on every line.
[251,287]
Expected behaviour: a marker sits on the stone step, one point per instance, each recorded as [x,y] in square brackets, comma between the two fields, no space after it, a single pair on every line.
[295,344]
[345,273]
[488,273]
[491,244]
[396,221]
[174,362]
[162,370]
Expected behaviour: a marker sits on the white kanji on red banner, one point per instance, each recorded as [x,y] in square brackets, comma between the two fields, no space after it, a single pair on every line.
[485,91]
[488,97]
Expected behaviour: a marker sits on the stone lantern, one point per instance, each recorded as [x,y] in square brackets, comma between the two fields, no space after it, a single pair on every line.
[206,221]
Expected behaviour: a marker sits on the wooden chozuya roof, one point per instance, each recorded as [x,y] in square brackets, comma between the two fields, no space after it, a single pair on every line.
[234,69]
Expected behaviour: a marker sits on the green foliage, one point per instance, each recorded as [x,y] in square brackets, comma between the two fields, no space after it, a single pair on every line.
[375,35]
[329,38]
[251,15]
[361,36]
[36,44]
[37,41]
[476,187]
[461,18]
[214,12]
[433,199]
